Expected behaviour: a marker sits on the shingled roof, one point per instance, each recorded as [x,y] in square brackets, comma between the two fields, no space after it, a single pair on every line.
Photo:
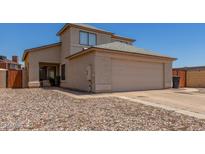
[80,25]
[122,48]
[89,27]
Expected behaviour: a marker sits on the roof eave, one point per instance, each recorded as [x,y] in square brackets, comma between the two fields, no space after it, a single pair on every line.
[39,48]
[62,29]
[79,53]
[123,38]
[97,49]
[119,51]
[82,27]
[24,55]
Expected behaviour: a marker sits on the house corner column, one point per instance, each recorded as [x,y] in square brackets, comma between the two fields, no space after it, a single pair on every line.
[34,76]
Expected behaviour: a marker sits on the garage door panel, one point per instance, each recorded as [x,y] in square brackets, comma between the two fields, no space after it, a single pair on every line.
[134,75]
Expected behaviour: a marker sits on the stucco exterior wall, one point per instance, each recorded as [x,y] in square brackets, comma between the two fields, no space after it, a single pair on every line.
[70,41]
[65,52]
[48,55]
[77,76]
[167,74]
[25,78]
[196,78]
[65,45]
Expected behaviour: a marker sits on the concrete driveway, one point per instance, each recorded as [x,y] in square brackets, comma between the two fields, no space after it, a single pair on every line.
[189,99]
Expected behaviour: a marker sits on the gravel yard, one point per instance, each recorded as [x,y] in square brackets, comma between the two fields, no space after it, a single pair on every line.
[41,109]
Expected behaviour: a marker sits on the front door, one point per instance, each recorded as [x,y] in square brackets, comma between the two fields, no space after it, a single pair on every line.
[51,72]
[47,72]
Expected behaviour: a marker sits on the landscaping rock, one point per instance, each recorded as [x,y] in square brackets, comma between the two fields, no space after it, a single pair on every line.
[43,109]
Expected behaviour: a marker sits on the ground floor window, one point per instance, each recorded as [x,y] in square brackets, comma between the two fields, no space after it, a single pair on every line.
[43,73]
[63,72]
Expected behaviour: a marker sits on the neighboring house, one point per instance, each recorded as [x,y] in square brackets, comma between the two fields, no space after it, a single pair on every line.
[92,59]
[9,64]
[191,76]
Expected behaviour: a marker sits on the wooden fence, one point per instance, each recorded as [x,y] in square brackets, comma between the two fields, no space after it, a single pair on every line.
[14,79]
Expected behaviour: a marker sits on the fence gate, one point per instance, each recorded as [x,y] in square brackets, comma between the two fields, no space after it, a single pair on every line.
[182,75]
[14,79]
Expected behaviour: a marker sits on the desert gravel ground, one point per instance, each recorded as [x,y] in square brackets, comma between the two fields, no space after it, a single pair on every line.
[43,109]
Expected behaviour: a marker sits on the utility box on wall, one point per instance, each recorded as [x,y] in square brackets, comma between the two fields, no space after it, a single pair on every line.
[3,78]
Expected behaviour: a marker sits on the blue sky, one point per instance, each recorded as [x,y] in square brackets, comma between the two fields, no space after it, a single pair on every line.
[183,41]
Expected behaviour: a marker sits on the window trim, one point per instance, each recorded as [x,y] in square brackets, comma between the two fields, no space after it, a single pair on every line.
[88,43]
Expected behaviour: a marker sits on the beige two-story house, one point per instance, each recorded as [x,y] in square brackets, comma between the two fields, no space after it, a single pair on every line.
[91,59]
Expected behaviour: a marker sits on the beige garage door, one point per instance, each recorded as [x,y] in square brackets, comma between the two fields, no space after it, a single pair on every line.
[133,75]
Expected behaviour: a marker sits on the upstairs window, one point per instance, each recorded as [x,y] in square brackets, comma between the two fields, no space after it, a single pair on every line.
[92,39]
[83,38]
[88,39]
